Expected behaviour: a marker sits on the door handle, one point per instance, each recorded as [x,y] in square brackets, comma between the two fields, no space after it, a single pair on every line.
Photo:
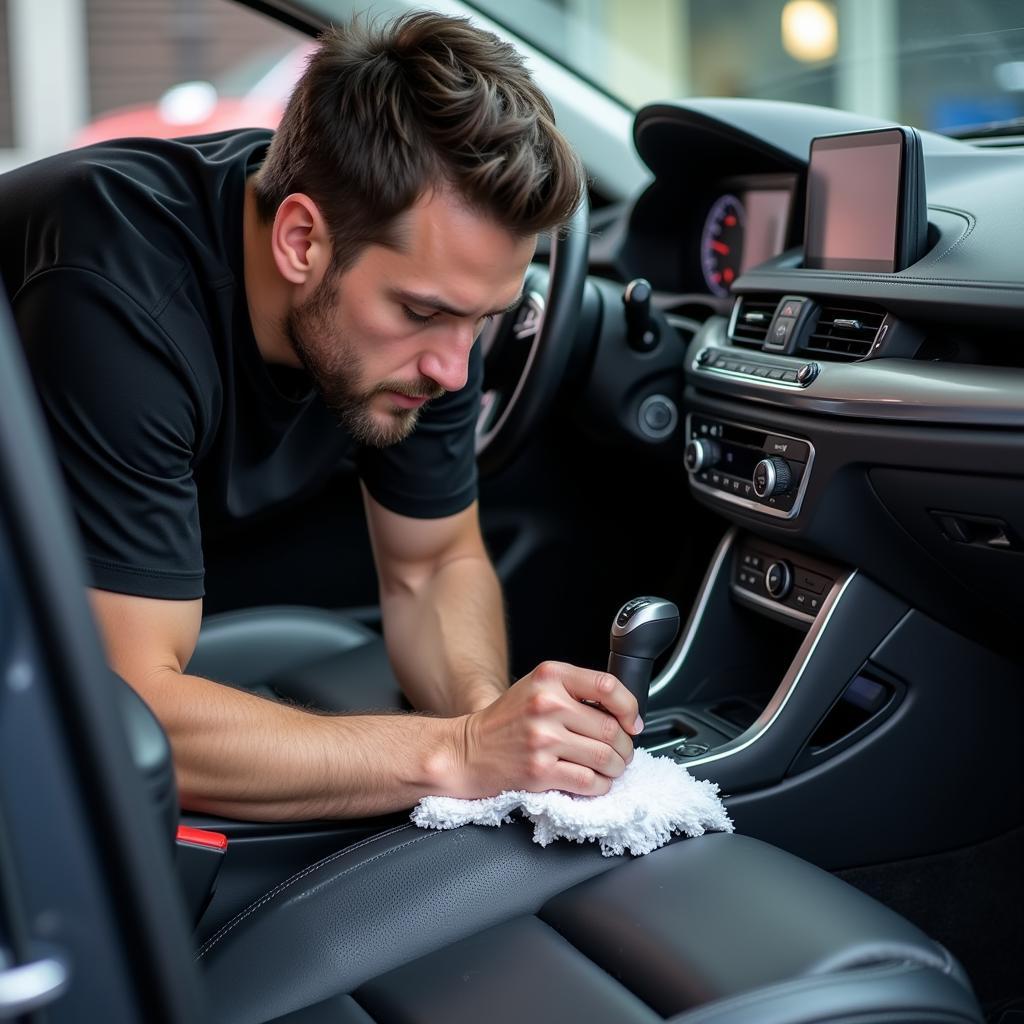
[30,986]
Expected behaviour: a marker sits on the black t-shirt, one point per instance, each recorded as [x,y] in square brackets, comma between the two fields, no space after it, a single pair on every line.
[123,264]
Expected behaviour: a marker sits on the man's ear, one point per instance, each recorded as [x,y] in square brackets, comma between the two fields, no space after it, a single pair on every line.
[300,241]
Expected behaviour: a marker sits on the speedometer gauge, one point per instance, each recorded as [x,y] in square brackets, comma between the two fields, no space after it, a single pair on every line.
[721,244]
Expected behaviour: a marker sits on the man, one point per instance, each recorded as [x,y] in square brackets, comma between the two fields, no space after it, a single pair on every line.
[201,315]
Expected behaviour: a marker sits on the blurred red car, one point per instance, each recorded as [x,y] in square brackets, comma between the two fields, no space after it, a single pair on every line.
[251,95]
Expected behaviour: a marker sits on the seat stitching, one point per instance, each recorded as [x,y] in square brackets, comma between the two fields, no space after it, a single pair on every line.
[278,889]
[281,886]
[348,871]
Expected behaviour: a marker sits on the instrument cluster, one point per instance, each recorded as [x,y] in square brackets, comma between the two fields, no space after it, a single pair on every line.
[747,223]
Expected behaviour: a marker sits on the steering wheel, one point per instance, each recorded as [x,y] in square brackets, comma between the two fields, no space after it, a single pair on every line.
[527,350]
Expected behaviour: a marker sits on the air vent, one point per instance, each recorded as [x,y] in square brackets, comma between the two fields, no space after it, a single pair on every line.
[751,316]
[845,333]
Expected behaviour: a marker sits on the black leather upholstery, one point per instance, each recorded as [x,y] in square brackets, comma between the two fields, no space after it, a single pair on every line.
[311,656]
[482,924]
[738,913]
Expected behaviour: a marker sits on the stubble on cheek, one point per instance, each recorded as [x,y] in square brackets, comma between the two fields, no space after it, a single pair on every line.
[337,371]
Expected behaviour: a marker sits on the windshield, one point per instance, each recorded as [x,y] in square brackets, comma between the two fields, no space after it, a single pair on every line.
[935,64]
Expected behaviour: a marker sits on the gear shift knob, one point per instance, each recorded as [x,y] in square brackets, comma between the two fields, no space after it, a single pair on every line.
[643,629]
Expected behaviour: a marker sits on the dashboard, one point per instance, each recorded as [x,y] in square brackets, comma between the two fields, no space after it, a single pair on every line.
[903,389]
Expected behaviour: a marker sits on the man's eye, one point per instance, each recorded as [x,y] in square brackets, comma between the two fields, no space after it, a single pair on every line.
[415,317]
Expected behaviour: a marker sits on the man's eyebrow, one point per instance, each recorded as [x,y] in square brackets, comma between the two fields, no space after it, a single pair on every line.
[437,303]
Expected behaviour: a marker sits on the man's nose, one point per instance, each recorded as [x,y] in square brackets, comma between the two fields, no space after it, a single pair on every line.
[447,362]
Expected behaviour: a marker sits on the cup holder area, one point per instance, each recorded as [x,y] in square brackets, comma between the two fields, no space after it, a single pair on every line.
[663,727]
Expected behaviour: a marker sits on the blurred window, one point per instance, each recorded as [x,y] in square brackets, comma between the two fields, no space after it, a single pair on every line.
[938,64]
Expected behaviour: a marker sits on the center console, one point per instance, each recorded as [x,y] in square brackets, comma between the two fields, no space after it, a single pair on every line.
[828,711]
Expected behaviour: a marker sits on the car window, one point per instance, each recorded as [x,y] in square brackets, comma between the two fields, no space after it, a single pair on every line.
[937,64]
[118,68]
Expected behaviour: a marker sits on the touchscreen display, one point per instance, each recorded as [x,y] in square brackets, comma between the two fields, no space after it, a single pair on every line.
[853,202]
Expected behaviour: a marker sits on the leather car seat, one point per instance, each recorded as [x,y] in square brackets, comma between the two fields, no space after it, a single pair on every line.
[310,656]
[479,923]
[483,924]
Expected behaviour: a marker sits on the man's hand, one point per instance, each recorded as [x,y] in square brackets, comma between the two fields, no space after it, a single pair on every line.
[539,735]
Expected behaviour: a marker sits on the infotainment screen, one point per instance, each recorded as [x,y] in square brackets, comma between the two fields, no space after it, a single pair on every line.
[865,201]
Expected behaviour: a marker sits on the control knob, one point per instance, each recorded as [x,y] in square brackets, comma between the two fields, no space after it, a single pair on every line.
[772,476]
[778,579]
[701,453]
[641,328]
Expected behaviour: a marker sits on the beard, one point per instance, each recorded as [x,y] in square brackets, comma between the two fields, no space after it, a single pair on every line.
[332,361]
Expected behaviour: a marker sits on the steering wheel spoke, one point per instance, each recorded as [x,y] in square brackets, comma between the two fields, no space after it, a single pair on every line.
[526,351]
[490,404]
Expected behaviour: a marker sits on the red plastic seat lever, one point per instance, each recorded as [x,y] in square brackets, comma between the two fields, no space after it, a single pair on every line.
[202,837]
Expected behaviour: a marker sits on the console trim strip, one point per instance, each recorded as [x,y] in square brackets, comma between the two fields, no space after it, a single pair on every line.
[756,506]
[786,688]
[667,674]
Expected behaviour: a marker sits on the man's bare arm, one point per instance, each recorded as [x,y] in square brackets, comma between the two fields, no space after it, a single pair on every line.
[444,619]
[241,756]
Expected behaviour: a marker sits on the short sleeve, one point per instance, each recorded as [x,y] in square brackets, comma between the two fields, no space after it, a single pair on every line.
[122,408]
[432,473]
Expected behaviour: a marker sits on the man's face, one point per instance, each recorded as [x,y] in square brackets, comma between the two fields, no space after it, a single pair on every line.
[396,328]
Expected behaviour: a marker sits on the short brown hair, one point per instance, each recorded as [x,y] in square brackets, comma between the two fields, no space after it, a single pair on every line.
[384,113]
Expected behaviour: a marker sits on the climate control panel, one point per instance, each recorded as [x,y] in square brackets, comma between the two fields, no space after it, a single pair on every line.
[747,465]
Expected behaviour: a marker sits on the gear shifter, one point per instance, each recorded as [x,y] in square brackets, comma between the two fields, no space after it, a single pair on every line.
[642,630]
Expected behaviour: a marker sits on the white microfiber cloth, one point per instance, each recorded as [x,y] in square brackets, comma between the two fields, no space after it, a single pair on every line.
[654,799]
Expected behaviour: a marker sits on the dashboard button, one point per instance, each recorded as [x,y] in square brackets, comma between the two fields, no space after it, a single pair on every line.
[789,376]
[775,374]
[657,417]
[781,330]
[797,451]
[791,308]
[811,581]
